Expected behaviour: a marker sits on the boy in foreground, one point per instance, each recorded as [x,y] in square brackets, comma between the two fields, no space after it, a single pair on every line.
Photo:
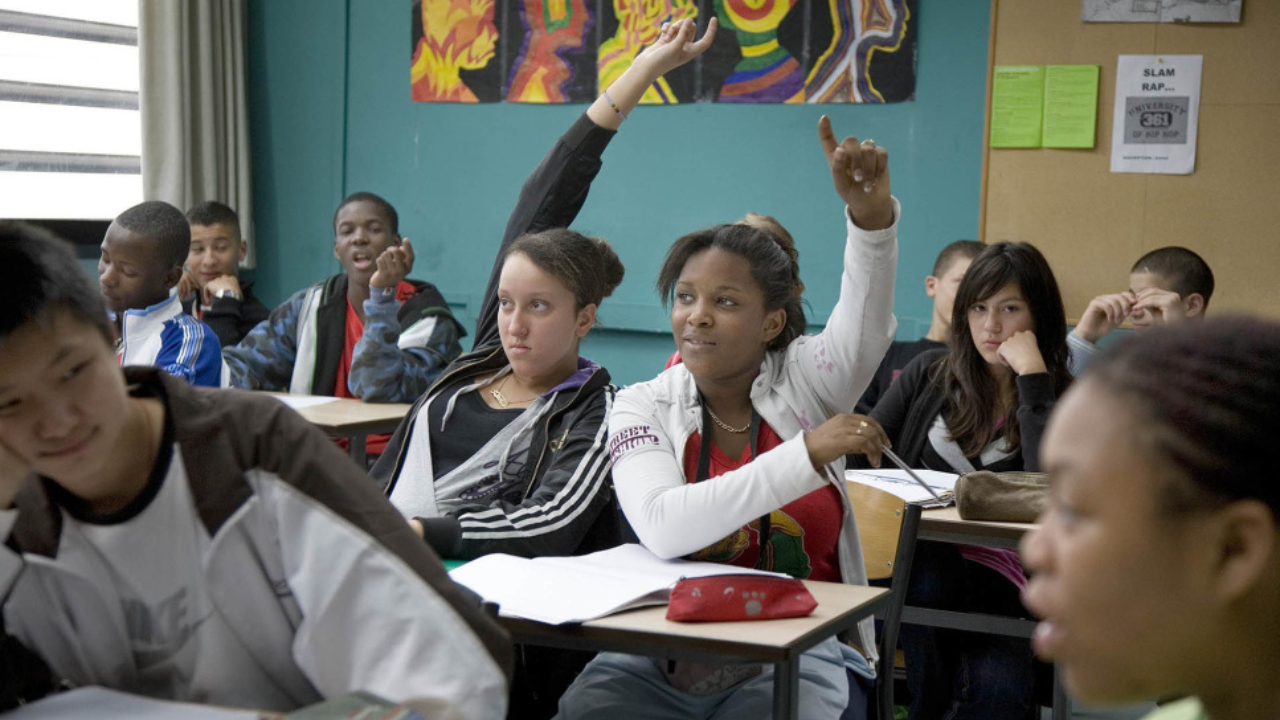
[140,265]
[211,287]
[203,545]
[1167,285]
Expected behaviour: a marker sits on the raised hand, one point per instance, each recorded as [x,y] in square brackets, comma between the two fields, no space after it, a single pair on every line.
[860,173]
[675,46]
[394,264]
[1104,314]
[845,434]
[1022,354]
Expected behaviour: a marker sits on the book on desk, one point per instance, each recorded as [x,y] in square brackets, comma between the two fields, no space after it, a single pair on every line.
[563,590]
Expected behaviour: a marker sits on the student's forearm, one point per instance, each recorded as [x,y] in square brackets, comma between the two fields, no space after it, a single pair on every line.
[625,92]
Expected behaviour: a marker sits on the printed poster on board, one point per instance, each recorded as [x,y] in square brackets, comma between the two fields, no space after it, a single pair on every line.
[1156,114]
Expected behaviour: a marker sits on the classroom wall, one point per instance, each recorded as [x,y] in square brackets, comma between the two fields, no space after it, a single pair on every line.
[330,114]
[1092,223]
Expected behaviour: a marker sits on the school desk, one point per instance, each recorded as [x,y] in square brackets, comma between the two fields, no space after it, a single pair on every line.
[646,631]
[352,419]
[946,525]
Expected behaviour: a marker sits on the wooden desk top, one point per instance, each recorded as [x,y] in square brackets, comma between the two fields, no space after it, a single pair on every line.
[946,525]
[344,417]
[646,631]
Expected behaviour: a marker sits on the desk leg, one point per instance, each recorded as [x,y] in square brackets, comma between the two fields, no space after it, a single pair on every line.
[1061,703]
[355,448]
[786,690]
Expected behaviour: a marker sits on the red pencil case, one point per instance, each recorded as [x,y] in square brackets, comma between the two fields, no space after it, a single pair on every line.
[730,598]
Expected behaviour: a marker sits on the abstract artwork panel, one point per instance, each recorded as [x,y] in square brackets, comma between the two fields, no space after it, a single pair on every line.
[564,51]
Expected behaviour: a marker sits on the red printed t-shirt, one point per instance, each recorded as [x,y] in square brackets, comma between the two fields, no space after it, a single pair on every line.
[374,444]
[804,534]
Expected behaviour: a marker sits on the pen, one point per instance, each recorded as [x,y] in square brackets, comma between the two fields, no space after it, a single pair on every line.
[898,461]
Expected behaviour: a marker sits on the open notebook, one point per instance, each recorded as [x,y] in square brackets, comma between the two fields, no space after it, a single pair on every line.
[897,482]
[560,590]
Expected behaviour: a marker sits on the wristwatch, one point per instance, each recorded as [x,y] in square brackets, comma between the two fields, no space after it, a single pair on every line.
[227,292]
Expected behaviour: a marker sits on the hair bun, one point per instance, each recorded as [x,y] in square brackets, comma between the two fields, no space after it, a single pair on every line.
[609,264]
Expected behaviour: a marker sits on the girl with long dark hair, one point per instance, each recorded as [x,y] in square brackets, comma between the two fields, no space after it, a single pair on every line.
[980,404]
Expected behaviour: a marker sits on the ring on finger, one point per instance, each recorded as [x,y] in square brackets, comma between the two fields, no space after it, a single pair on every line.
[868,141]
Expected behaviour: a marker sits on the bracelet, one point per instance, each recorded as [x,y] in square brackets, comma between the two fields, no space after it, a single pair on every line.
[615,107]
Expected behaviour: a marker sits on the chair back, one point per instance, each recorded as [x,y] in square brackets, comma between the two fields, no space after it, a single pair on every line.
[879,517]
[887,527]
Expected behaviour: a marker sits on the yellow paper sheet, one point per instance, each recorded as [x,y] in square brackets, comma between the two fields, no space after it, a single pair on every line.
[1017,106]
[1070,106]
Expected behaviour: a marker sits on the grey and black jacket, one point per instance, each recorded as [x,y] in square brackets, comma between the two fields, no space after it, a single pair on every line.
[563,503]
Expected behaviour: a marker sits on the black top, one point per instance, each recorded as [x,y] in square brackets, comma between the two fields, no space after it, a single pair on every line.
[900,353]
[472,424]
[909,408]
[229,318]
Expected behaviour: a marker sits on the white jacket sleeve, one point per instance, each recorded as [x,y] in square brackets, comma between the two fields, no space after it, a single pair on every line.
[837,365]
[673,518]
[369,622]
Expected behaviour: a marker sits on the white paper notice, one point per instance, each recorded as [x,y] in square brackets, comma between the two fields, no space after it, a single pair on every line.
[1156,115]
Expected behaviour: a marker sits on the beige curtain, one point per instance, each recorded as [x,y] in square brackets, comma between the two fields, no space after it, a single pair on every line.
[195,120]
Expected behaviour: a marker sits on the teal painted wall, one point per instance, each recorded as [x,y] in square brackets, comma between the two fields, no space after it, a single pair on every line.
[330,114]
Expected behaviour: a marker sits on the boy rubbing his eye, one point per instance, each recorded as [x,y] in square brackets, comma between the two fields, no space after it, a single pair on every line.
[1167,285]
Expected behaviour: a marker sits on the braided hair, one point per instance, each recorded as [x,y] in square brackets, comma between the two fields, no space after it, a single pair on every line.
[1210,395]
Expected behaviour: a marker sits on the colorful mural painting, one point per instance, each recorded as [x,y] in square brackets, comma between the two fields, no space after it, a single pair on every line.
[638,24]
[563,51]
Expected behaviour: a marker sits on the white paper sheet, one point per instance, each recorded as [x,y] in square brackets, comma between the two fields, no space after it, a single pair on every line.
[297,402]
[559,590]
[1157,112]
[103,704]
[897,482]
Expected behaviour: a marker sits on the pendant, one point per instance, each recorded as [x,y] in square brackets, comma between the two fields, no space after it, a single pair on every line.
[500,399]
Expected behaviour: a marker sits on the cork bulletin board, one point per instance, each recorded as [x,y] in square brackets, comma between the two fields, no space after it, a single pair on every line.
[1093,224]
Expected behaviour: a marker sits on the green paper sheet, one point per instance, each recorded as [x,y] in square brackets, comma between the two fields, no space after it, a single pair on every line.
[1017,106]
[1070,106]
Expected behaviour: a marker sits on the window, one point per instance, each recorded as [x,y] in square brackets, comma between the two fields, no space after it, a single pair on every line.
[70,129]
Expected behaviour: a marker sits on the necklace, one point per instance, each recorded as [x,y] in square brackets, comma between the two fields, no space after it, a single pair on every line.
[726,426]
[502,400]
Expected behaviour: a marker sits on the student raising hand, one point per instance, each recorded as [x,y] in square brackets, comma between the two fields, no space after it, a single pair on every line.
[394,264]
[674,47]
[860,172]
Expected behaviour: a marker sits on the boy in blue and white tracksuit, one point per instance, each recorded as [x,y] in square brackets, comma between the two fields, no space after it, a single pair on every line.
[138,273]
[165,337]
